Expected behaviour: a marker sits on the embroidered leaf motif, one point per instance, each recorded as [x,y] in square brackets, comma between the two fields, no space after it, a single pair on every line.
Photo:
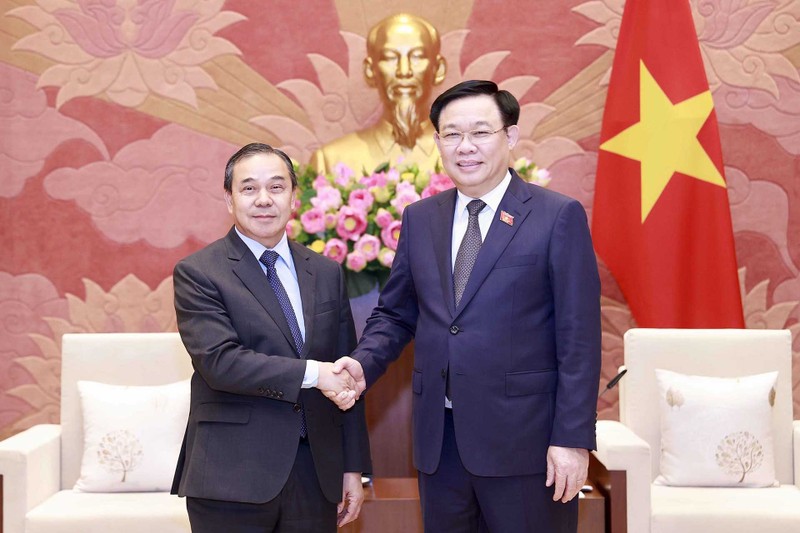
[674,398]
[120,451]
[739,454]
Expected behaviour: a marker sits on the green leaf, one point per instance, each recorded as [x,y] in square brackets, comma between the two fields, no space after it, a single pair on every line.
[383,277]
[307,195]
[383,167]
[359,283]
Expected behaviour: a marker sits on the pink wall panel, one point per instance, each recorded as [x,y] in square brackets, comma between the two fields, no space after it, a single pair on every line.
[112,151]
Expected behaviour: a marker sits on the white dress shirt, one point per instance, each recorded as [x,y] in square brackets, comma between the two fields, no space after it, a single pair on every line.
[288,276]
[485,217]
[461,215]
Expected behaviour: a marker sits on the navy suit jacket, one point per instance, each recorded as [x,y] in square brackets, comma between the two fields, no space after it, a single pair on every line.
[244,423]
[523,346]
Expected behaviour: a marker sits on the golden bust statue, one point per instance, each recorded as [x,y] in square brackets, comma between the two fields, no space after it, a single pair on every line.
[403,63]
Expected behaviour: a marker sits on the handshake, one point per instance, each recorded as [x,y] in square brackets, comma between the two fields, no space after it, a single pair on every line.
[342,382]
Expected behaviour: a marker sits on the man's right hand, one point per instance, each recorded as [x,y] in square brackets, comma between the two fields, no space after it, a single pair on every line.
[354,368]
[339,387]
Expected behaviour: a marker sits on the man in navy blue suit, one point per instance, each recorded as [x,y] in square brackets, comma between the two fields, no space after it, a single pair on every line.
[497,282]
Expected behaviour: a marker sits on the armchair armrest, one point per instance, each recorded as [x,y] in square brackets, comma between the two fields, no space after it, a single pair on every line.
[30,466]
[620,449]
[796,454]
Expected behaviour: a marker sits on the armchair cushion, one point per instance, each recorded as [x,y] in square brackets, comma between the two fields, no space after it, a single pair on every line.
[732,510]
[132,435]
[77,512]
[716,431]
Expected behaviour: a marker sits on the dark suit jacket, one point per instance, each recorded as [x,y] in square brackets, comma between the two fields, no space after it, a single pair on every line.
[523,346]
[243,429]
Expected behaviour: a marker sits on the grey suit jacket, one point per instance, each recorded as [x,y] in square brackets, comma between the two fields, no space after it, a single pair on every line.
[243,429]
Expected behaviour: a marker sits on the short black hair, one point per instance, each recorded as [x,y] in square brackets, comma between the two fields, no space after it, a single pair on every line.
[506,102]
[253,149]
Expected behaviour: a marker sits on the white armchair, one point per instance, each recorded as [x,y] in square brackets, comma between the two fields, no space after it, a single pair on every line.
[40,466]
[633,445]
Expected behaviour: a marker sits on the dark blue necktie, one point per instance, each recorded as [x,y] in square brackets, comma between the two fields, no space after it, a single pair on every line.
[268,258]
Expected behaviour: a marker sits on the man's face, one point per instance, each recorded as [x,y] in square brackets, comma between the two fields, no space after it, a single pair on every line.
[475,168]
[403,62]
[261,198]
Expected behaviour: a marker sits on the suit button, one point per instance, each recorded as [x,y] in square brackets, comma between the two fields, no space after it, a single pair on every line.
[454,329]
[296,408]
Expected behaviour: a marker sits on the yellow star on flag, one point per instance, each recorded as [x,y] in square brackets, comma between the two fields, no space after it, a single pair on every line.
[665,140]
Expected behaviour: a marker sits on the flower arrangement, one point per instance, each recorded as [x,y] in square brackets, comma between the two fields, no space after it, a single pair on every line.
[355,220]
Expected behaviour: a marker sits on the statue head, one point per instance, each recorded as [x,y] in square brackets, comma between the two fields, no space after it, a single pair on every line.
[403,63]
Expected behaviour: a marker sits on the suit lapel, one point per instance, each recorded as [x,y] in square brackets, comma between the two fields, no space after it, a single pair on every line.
[248,270]
[305,278]
[498,237]
[442,233]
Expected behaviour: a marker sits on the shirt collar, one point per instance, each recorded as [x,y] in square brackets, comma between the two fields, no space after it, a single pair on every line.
[258,249]
[492,198]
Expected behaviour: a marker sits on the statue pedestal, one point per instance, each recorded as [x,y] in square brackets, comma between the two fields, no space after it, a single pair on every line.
[388,405]
[389,419]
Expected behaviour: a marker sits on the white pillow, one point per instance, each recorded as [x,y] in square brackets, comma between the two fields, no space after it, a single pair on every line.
[716,432]
[131,436]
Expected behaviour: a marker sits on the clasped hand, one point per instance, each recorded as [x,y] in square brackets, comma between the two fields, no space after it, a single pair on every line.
[342,382]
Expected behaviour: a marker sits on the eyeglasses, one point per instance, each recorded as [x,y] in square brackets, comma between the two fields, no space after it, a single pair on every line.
[454,138]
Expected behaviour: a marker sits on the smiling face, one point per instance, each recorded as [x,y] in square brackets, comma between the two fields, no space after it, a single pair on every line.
[261,197]
[476,168]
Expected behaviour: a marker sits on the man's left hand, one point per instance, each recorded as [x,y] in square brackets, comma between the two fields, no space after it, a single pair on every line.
[352,498]
[567,469]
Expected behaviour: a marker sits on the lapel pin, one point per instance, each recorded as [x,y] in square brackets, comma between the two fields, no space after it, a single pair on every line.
[507,218]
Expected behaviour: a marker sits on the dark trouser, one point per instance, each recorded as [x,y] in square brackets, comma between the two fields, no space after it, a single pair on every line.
[455,501]
[299,508]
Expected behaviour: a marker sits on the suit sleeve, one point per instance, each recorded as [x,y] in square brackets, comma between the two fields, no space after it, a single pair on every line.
[215,347]
[576,294]
[355,437]
[393,322]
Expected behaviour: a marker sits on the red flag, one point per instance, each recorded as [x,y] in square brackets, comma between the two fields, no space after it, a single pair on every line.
[661,219]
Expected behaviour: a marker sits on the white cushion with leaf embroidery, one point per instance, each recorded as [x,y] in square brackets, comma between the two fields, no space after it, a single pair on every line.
[716,432]
[131,436]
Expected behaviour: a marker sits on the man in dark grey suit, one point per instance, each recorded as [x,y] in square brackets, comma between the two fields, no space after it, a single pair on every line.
[263,318]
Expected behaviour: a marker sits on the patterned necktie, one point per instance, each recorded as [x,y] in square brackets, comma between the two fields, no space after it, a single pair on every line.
[268,258]
[468,250]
